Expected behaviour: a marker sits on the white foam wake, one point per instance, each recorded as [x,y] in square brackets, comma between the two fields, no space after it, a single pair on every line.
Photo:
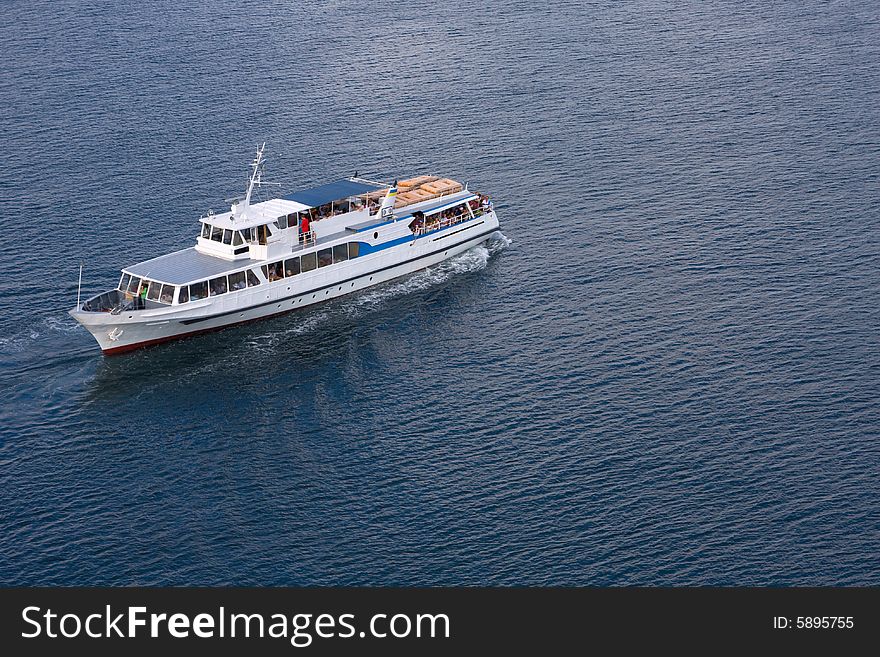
[471,260]
[373,299]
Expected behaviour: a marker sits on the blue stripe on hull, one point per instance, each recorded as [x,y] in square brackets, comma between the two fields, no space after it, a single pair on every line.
[366,249]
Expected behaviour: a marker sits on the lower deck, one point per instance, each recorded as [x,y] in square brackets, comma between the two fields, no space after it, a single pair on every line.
[128,328]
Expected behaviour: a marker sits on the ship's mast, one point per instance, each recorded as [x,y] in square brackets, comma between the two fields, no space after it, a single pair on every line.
[255,181]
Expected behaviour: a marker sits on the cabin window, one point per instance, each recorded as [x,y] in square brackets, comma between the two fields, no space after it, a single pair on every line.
[198,290]
[282,222]
[236,281]
[308,262]
[291,267]
[236,239]
[292,219]
[247,234]
[325,257]
[123,282]
[216,234]
[206,231]
[134,284]
[252,278]
[353,249]
[262,233]
[274,272]
[153,292]
[340,253]
[167,295]
[183,295]
[217,285]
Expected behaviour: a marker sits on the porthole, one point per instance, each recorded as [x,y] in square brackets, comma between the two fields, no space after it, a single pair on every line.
[340,287]
[313,296]
[352,284]
[376,235]
[371,278]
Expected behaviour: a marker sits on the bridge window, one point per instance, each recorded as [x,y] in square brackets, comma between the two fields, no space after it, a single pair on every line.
[227,236]
[236,239]
[206,231]
[216,234]
[167,295]
[183,295]
[308,262]
[134,284]
[198,290]
[340,253]
[236,281]
[153,292]
[217,286]
[325,257]
[252,278]
[291,267]
[353,249]
[123,282]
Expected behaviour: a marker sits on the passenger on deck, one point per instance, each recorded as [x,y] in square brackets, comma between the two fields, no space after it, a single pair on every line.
[303,227]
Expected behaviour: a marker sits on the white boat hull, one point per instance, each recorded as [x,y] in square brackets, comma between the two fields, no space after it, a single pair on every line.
[117,333]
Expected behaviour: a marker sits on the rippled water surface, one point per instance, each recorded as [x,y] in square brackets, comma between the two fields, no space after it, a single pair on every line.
[664,371]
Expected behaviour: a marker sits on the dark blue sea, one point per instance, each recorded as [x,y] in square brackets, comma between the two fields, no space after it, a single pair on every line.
[663,371]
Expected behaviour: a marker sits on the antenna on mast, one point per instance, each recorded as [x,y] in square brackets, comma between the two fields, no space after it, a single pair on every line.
[255,181]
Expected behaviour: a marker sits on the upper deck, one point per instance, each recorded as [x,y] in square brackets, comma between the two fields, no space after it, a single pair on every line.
[190,265]
[340,192]
[235,240]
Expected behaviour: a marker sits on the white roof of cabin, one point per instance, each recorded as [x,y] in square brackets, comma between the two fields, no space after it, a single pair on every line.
[257,214]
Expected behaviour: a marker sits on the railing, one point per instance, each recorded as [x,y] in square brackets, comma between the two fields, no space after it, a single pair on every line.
[436,223]
[308,238]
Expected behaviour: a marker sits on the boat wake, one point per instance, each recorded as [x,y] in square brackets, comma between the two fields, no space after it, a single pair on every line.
[38,329]
[375,298]
[471,260]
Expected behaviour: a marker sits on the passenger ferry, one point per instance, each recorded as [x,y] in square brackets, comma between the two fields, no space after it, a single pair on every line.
[268,258]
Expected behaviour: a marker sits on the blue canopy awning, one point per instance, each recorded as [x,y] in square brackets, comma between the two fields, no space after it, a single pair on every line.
[335,191]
